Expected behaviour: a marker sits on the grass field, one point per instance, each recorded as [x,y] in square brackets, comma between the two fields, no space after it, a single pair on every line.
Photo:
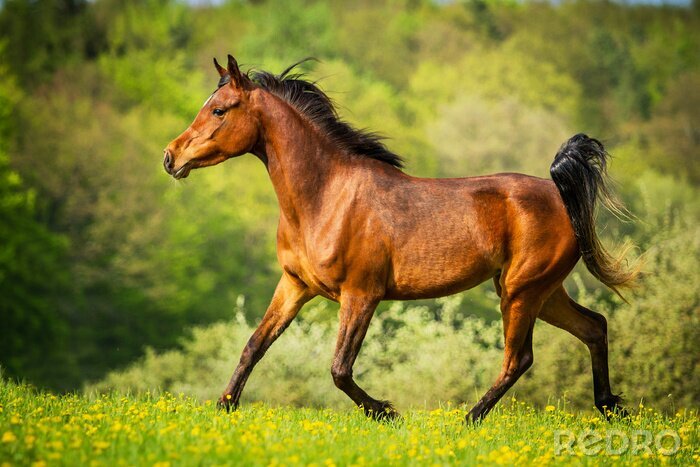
[42,429]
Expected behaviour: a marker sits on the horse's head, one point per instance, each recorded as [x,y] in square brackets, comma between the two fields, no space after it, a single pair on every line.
[225,127]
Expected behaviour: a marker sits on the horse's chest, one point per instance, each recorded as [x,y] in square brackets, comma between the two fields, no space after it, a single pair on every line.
[318,264]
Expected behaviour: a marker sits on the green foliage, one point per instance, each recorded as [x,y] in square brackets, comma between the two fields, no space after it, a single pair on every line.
[401,23]
[497,74]
[34,288]
[147,58]
[45,35]
[289,30]
[459,130]
[672,135]
[33,285]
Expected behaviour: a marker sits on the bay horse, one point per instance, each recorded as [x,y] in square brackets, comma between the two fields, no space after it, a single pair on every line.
[355,229]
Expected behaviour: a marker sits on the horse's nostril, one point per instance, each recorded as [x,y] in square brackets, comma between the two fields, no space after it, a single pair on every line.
[168,161]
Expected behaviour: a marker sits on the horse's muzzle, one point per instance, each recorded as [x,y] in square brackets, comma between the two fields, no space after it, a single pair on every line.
[168,161]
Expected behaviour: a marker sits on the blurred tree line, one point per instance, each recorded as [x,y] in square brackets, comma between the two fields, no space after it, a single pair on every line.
[102,254]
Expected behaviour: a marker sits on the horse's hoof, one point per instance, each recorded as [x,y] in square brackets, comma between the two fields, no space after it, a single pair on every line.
[226,403]
[475,416]
[389,415]
[612,409]
[383,412]
[473,419]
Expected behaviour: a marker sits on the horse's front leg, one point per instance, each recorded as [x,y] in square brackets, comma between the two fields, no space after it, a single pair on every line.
[290,295]
[355,316]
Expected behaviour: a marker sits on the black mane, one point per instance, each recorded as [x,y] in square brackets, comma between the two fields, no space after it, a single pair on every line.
[308,99]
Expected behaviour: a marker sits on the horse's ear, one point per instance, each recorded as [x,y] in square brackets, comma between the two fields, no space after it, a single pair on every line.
[238,78]
[233,66]
[222,71]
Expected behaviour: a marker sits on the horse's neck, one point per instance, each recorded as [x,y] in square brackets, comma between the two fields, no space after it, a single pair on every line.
[300,162]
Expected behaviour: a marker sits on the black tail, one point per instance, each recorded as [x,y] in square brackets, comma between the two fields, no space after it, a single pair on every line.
[579,172]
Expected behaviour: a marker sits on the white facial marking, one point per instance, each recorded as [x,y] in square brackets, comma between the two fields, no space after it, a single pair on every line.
[207,101]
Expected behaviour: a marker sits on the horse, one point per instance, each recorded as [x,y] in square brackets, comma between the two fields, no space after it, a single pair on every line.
[355,229]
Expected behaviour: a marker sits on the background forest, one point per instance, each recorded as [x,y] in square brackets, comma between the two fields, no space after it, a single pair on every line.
[114,275]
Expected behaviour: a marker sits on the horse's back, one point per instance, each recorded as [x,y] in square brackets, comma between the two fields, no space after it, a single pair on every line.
[448,235]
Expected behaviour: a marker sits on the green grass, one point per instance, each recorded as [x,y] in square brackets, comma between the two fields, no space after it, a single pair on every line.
[43,429]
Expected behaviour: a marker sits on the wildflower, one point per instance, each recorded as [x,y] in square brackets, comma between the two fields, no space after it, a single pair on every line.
[8,437]
[100,445]
[550,408]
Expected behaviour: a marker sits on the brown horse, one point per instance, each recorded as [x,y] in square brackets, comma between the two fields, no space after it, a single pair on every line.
[357,230]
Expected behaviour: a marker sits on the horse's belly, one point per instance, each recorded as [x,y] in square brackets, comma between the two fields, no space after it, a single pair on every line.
[435,275]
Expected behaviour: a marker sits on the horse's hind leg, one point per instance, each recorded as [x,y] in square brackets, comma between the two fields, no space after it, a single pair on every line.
[591,328]
[355,316]
[519,314]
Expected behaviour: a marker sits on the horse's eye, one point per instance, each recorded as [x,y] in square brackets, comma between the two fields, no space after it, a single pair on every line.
[219,112]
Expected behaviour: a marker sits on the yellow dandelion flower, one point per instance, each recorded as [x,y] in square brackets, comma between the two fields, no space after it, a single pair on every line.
[550,408]
[8,437]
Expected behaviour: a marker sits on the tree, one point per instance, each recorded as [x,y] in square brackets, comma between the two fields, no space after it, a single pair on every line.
[34,282]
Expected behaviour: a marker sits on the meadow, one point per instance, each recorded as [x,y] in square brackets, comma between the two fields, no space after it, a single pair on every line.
[41,429]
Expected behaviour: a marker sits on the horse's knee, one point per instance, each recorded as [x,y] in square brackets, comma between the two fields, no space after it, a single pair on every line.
[526,362]
[517,368]
[523,364]
[341,377]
